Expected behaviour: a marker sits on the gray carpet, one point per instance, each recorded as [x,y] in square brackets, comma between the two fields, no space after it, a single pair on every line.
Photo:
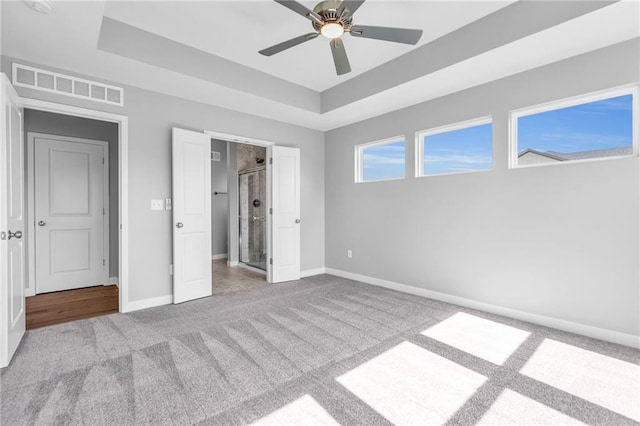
[323,350]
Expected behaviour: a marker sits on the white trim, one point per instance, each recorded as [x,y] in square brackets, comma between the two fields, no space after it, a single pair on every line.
[514,115]
[312,272]
[219,256]
[73,80]
[123,171]
[422,134]
[238,139]
[359,158]
[31,289]
[137,305]
[557,323]
[232,264]
[113,280]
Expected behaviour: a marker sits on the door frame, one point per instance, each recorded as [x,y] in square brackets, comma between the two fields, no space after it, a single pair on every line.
[268,145]
[123,180]
[31,203]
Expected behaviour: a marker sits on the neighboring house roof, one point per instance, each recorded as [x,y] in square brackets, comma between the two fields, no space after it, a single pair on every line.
[582,155]
[552,155]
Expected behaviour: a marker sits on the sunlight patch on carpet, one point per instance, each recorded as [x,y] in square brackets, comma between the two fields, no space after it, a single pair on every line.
[481,337]
[303,411]
[411,385]
[606,381]
[512,408]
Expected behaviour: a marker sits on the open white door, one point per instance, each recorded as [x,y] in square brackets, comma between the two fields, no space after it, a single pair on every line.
[285,201]
[191,215]
[12,223]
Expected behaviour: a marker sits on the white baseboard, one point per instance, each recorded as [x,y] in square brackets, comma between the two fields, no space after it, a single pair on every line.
[232,263]
[219,256]
[560,324]
[113,280]
[137,305]
[312,272]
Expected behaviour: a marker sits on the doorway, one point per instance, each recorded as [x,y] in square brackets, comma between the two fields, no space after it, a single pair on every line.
[238,206]
[252,206]
[68,181]
[192,219]
[72,209]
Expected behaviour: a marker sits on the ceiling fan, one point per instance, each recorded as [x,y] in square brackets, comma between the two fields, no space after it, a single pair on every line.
[333,18]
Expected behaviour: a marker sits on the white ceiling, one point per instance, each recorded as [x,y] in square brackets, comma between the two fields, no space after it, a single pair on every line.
[237,30]
[68,38]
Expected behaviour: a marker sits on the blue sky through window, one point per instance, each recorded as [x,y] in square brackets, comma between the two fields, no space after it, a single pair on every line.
[384,161]
[461,150]
[586,127]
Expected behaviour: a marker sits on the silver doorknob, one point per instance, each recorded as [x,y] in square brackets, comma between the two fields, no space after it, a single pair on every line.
[42,223]
[179,225]
[297,220]
[17,234]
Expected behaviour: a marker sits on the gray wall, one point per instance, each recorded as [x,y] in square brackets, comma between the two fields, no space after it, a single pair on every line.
[151,117]
[560,241]
[76,127]
[220,202]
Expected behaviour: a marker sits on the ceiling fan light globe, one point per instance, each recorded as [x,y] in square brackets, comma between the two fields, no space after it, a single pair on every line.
[42,6]
[332,30]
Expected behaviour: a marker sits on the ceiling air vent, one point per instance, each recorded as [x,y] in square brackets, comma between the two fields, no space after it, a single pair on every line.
[52,82]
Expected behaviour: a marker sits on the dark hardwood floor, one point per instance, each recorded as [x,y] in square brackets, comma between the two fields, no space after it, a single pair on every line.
[70,305]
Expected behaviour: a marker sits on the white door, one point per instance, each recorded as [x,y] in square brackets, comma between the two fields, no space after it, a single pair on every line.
[191,215]
[285,201]
[70,213]
[12,223]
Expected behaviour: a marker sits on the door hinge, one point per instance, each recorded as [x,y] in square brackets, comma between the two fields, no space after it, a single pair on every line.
[270,210]
[271,261]
[103,262]
[102,160]
[3,235]
[271,160]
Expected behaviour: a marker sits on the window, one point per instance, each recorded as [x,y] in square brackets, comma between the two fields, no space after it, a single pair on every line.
[459,148]
[382,160]
[586,128]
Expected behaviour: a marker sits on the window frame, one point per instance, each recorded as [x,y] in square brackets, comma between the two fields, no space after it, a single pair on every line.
[422,134]
[600,95]
[359,158]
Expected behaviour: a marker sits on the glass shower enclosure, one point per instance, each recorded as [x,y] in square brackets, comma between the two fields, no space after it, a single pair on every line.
[253,220]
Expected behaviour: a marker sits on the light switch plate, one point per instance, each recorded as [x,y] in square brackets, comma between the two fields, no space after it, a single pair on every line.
[167,203]
[156,205]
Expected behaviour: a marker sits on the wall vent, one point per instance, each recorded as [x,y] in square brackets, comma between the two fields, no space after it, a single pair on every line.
[52,82]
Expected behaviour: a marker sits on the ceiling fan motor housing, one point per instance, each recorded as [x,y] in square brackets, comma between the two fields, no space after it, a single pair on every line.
[329,11]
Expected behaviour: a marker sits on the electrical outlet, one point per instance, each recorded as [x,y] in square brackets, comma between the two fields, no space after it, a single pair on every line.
[157,205]
[349,254]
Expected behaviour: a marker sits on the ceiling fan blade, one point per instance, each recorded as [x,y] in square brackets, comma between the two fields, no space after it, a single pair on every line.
[300,9]
[351,6]
[287,44]
[340,56]
[397,35]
